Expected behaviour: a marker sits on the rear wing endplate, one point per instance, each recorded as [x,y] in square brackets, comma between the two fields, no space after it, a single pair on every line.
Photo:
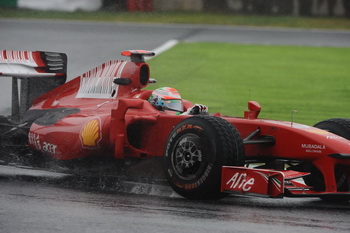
[30,67]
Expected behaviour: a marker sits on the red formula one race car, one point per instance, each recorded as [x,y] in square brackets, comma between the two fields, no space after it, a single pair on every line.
[106,112]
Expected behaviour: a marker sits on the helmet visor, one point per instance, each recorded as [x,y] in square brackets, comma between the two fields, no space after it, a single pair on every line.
[174,104]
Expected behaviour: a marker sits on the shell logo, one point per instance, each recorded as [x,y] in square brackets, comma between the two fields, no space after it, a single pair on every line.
[90,134]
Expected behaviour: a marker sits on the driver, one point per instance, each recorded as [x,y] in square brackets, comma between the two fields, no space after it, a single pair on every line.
[168,99]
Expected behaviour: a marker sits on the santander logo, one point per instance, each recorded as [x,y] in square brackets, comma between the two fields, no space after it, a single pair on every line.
[239,181]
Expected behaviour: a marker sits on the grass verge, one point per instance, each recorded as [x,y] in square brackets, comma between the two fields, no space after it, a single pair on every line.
[184,18]
[312,80]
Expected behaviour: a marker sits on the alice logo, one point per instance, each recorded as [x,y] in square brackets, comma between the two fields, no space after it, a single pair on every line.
[90,134]
[240,181]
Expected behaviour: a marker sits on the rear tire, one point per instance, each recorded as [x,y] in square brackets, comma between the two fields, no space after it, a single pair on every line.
[195,152]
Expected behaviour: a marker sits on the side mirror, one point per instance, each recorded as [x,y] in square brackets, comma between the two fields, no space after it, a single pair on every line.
[254,110]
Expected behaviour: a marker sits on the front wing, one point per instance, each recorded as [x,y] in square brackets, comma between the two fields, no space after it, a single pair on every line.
[269,183]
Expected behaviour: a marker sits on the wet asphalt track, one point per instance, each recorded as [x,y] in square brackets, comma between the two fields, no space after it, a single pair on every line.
[40,208]
[76,207]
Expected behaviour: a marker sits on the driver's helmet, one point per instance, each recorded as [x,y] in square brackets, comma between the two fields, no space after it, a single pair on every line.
[166,98]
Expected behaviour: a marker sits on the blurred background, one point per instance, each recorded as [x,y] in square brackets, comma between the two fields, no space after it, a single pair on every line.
[339,8]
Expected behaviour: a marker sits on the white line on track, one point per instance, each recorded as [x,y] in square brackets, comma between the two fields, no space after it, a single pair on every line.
[164,47]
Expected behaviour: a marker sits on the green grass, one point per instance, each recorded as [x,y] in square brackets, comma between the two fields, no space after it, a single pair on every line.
[184,18]
[315,81]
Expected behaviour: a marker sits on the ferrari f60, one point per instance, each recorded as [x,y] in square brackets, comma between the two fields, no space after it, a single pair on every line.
[106,112]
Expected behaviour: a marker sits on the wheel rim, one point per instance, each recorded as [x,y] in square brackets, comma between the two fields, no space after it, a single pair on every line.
[187,157]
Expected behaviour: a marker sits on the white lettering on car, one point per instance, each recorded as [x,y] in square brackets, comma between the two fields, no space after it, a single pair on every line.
[35,140]
[49,147]
[313,146]
[239,181]
[333,137]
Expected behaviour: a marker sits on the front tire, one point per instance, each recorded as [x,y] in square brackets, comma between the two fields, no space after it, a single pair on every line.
[196,150]
[340,127]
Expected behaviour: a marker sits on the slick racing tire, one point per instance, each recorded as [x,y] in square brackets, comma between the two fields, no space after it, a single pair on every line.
[340,127]
[196,150]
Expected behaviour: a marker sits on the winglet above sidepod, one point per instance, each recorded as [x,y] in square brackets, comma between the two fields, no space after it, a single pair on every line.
[138,55]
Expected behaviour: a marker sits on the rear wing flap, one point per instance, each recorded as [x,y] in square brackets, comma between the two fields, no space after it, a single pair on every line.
[31,64]
[37,72]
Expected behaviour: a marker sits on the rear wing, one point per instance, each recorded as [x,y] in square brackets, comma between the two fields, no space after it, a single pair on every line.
[38,72]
